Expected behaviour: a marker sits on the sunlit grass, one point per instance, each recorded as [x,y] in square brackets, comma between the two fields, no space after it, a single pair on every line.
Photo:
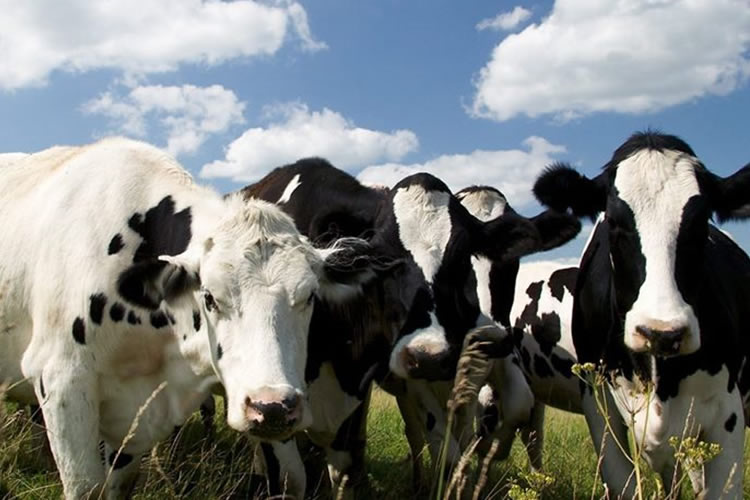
[191,466]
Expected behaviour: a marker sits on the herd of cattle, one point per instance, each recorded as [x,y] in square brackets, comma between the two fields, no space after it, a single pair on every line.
[128,294]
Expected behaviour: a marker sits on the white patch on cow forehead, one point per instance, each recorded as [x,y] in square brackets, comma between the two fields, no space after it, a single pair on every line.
[287,194]
[424,226]
[656,184]
[484,205]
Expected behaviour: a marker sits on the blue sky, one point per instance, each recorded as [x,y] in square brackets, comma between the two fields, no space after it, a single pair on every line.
[476,92]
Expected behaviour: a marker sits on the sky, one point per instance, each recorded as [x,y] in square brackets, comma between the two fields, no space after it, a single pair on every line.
[475,92]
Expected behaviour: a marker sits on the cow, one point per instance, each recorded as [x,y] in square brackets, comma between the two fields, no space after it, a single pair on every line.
[410,327]
[127,292]
[540,315]
[660,308]
[534,302]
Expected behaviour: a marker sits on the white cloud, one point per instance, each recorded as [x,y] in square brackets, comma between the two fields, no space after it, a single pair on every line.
[188,114]
[505,21]
[611,55]
[298,132]
[511,171]
[38,37]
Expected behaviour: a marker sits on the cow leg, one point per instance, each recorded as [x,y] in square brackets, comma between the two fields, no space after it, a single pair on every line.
[532,436]
[208,413]
[284,469]
[616,468]
[724,474]
[67,391]
[346,455]
[414,436]
[121,471]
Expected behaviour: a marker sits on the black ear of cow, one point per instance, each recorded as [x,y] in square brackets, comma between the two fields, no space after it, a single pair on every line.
[555,228]
[731,199]
[509,236]
[560,187]
[149,282]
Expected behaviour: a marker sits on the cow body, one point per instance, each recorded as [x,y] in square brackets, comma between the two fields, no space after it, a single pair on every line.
[660,308]
[126,292]
[412,323]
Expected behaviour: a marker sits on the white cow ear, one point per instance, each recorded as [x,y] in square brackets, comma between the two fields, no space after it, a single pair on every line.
[149,282]
[349,264]
[179,277]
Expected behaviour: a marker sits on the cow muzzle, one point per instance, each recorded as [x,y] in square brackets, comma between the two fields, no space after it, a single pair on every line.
[274,413]
[661,342]
[430,365]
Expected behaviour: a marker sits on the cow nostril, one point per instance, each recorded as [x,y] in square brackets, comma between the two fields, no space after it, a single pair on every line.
[645,332]
[409,359]
[291,402]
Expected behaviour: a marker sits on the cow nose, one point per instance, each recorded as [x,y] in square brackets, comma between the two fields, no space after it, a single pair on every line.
[664,342]
[439,365]
[273,414]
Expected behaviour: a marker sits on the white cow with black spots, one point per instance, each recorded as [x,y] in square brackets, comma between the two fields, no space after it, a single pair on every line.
[125,286]
[534,300]
[661,307]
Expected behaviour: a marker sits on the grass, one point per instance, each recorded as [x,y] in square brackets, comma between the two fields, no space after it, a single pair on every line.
[192,466]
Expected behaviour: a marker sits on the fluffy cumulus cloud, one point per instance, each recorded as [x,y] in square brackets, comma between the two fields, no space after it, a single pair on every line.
[187,115]
[138,37]
[628,56]
[512,171]
[294,131]
[505,21]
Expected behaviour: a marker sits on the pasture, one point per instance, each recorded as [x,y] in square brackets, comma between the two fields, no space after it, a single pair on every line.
[191,466]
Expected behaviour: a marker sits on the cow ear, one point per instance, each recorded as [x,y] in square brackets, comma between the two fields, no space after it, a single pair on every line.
[348,265]
[512,236]
[731,195]
[507,237]
[560,187]
[555,228]
[151,281]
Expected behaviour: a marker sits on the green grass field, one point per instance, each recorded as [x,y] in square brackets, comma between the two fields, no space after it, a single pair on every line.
[191,466]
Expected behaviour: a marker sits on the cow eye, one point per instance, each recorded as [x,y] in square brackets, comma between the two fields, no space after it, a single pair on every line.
[210,301]
[311,299]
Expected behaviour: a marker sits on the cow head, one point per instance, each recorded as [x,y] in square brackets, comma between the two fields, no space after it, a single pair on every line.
[255,278]
[657,199]
[432,295]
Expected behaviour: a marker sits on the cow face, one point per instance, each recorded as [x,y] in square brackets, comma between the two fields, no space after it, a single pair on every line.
[657,199]
[257,279]
[434,291]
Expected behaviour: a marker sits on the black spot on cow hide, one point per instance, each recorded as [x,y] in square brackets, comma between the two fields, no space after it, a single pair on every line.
[96,309]
[731,422]
[430,421]
[133,319]
[158,319]
[562,279]
[117,312]
[164,232]
[219,351]
[546,331]
[115,245]
[196,320]
[41,387]
[119,461]
[542,367]
[526,358]
[562,365]
[79,331]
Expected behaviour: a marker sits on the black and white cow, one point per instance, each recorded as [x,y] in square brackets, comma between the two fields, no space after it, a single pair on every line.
[413,321]
[535,302]
[661,305]
[127,292]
